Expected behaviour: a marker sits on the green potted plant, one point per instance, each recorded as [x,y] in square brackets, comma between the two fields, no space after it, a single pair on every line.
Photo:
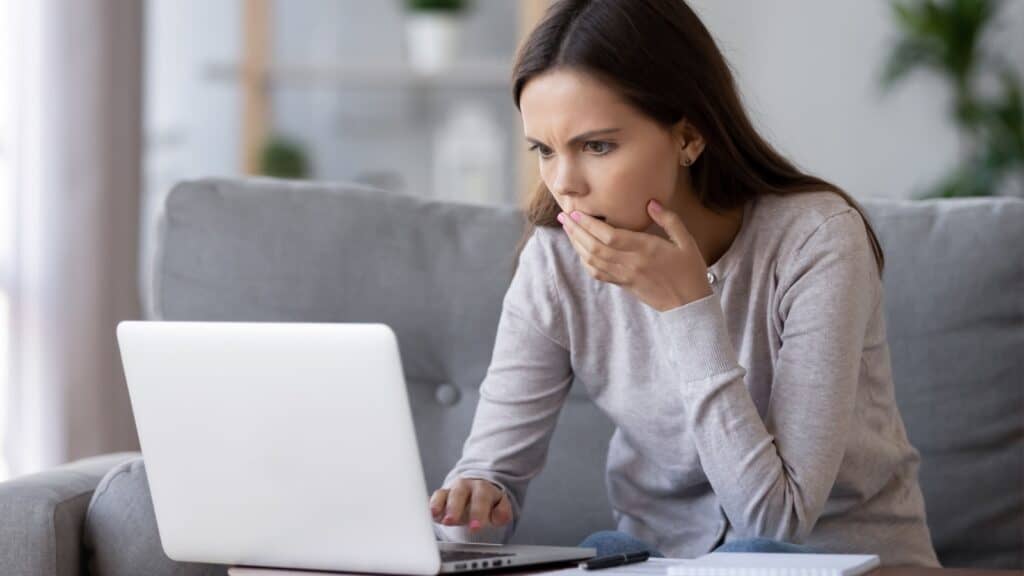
[283,158]
[944,37]
[432,31]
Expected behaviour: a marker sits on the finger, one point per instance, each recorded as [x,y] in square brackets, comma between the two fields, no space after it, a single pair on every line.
[485,495]
[585,238]
[599,268]
[501,514]
[458,497]
[617,238]
[586,241]
[437,503]
[670,222]
[604,276]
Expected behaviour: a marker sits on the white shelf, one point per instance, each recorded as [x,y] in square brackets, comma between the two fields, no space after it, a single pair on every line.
[470,74]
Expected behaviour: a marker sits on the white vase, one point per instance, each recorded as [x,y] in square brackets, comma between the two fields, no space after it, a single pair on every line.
[468,151]
[432,40]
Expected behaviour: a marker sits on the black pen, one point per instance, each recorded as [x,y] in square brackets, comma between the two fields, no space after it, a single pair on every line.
[614,560]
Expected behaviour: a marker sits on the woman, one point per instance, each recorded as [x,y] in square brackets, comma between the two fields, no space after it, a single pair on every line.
[721,306]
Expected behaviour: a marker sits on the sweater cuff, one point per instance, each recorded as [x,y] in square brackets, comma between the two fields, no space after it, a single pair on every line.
[697,339]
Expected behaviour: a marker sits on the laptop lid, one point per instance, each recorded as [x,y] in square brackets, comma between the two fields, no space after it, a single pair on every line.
[286,445]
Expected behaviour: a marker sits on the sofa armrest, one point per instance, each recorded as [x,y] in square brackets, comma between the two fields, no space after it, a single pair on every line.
[41,517]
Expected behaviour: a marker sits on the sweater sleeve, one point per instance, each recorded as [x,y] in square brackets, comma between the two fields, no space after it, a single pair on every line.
[522,393]
[772,477]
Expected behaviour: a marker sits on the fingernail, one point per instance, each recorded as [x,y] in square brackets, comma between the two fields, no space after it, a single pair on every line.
[655,206]
[447,519]
[576,216]
[474,524]
[561,217]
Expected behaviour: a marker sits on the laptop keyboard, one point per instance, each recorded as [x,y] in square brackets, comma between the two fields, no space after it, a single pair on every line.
[464,555]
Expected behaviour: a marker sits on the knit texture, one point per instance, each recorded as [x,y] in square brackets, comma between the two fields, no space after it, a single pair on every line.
[763,410]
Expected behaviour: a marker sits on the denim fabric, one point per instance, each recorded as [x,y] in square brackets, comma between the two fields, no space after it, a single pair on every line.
[764,545]
[614,542]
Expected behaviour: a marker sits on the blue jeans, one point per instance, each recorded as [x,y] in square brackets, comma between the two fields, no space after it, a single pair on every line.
[764,545]
[614,542]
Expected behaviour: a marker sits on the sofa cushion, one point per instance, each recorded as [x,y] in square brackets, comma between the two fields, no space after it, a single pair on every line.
[954,299]
[120,535]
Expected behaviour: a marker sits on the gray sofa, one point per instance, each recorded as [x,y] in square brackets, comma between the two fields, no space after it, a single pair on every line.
[268,250]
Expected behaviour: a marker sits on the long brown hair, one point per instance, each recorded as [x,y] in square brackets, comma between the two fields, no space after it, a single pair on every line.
[662,59]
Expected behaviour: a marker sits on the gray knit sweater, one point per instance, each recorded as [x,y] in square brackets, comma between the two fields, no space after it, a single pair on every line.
[764,410]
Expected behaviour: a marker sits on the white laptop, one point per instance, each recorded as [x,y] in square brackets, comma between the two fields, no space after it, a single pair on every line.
[290,446]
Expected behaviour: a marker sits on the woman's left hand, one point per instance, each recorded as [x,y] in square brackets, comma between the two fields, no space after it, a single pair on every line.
[663,274]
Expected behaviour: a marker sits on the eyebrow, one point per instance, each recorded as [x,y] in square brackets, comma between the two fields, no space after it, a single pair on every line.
[581,137]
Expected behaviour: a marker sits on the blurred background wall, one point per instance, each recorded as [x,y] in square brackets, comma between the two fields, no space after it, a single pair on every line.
[810,73]
[336,87]
[156,91]
[70,167]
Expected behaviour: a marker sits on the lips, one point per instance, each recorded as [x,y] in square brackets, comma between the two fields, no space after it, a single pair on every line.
[601,218]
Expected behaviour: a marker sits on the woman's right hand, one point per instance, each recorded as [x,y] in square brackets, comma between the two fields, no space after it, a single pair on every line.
[472,501]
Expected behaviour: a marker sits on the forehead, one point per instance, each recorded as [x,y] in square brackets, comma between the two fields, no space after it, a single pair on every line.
[563,102]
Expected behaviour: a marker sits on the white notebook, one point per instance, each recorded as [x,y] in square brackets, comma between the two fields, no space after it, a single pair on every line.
[761,564]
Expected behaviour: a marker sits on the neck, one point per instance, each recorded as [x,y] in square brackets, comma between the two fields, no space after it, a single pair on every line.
[713,232]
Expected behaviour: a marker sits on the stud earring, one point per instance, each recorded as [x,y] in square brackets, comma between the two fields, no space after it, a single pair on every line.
[686,161]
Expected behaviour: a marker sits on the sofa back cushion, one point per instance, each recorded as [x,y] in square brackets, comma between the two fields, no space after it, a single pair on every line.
[954,300]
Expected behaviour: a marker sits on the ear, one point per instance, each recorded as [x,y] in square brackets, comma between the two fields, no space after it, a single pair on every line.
[689,142]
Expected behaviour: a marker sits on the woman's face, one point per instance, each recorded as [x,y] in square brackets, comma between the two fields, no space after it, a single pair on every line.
[597,153]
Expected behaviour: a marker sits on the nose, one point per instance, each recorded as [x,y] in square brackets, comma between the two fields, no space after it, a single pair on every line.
[567,179]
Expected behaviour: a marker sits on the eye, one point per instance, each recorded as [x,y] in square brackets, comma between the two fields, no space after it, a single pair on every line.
[541,149]
[598,147]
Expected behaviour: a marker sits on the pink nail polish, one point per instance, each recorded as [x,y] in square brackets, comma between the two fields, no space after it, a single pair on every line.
[655,206]
[561,217]
[473,525]
[576,216]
